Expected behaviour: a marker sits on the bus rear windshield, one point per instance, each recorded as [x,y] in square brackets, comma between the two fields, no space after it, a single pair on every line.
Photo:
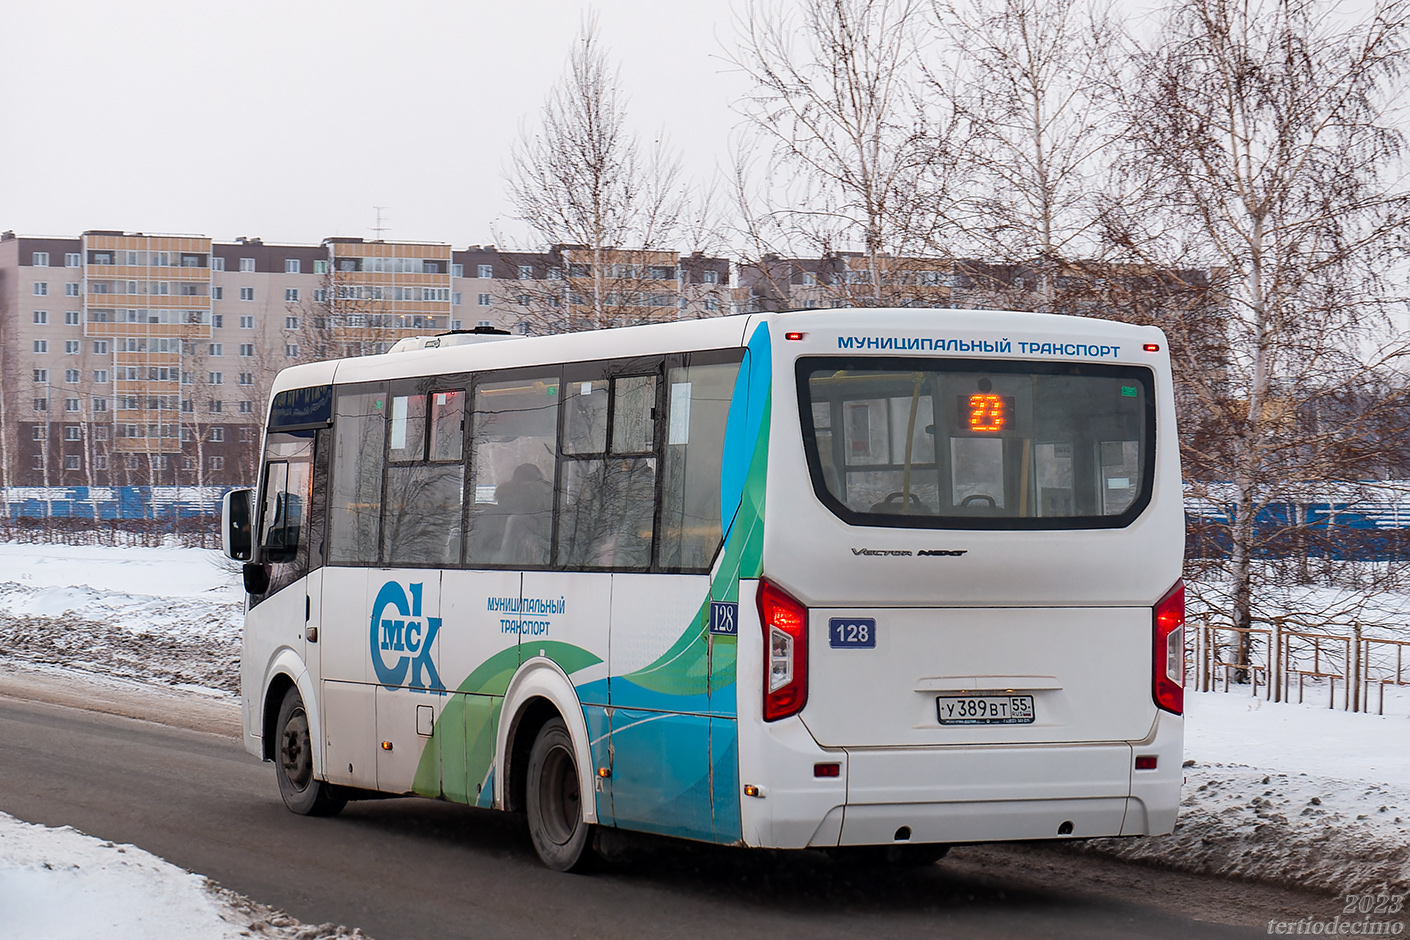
[978,444]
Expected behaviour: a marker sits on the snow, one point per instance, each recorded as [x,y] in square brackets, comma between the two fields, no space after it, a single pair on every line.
[59,884]
[1296,794]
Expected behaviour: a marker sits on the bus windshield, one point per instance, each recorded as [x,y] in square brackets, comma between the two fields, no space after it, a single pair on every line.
[978,444]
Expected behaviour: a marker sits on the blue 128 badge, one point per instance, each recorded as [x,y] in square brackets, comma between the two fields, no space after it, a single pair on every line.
[845,633]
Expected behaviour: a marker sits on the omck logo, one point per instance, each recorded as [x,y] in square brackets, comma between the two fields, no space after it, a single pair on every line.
[905,553]
[405,640]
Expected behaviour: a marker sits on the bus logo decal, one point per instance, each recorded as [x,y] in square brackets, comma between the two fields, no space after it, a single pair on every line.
[408,638]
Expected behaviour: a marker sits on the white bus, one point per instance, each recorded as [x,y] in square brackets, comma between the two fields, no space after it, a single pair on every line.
[871,581]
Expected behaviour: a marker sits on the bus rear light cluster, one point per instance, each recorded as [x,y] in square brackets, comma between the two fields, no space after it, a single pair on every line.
[1168,680]
[785,625]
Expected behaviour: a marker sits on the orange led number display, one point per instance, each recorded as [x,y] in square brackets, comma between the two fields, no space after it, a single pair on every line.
[987,413]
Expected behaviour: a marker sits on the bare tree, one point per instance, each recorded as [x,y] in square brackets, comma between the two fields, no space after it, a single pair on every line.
[845,152]
[1031,80]
[583,180]
[1259,144]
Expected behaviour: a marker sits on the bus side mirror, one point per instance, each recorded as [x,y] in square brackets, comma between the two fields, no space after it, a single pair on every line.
[236,532]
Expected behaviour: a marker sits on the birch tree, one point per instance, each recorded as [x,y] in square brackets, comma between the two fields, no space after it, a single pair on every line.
[1261,145]
[844,153]
[581,179]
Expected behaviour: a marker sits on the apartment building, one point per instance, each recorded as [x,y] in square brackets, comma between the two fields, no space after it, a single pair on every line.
[135,359]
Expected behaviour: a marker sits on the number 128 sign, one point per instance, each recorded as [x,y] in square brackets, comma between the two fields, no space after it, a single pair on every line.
[851,633]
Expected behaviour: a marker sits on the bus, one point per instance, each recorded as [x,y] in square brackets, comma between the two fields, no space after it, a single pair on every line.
[874,581]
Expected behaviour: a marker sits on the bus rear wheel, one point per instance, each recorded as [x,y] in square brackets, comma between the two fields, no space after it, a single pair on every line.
[555,801]
[293,763]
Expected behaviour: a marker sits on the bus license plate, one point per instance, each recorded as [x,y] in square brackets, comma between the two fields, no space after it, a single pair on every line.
[985,709]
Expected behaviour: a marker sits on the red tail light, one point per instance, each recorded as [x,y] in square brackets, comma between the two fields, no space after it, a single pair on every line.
[785,623]
[1168,680]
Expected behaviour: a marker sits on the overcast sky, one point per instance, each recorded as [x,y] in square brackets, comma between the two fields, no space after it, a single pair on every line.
[290,120]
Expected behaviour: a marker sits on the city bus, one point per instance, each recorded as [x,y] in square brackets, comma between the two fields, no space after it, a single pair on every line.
[876,582]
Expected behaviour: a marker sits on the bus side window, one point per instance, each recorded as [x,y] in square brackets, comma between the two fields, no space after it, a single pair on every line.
[698,399]
[514,451]
[355,508]
[282,518]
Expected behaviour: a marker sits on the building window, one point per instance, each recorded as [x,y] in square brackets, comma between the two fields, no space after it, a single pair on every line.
[217,264]
[455,298]
[185,378]
[70,404]
[101,404]
[291,265]
[217,293]
[292,350]
[247,293]
[100,461]
[320,267]
[214,407]
[217,434]
[41,316]
[523,300]
[457,270]
[41,404]
[100,347]
[247,350]
[73,259]
[71,376]
[41,259]
[247,378]
[484,300]
[41,432]
[41,288]
[215,378]
[100,376]
[187,407]
[71,290]
[217,349]
[72,433]
[217,463]
[291,323]
[526,272]
[41,345]
[291,295]
[482,323]
[247,265]
[247,407]
[247,323]
[72,318]
[41,375]
[70,461]
[71,345]
[486,270]
[218,321]
[710,277]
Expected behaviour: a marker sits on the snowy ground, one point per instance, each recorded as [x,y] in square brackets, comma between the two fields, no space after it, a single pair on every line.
[1295,794]
[58,884]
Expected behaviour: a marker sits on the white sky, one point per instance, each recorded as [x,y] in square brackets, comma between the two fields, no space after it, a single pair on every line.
[291,120]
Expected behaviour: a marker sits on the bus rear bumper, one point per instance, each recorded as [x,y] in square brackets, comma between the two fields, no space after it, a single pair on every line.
[983,794]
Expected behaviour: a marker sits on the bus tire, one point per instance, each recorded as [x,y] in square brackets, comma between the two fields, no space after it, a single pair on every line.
[293,763]
[562,839]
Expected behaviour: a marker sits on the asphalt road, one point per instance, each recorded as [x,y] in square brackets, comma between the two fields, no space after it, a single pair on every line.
[420,869]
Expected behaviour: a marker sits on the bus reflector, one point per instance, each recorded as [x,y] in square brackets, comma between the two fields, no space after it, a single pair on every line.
[1146,762]
[1151,347]
[785,625]
[827,770]
[1168,682]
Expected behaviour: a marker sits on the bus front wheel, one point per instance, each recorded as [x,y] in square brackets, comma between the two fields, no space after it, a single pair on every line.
[555,801]
[293,763]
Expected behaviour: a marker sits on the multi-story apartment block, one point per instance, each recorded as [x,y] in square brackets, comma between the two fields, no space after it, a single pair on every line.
[130,359]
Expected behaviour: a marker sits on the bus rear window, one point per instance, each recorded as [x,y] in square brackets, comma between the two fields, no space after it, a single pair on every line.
[977,444]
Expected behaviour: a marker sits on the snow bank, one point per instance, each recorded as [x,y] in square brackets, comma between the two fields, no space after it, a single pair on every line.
[1292,794]
[58,884]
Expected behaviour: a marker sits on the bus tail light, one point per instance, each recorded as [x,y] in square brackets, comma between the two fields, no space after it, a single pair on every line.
[785,624]
[1168,681]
